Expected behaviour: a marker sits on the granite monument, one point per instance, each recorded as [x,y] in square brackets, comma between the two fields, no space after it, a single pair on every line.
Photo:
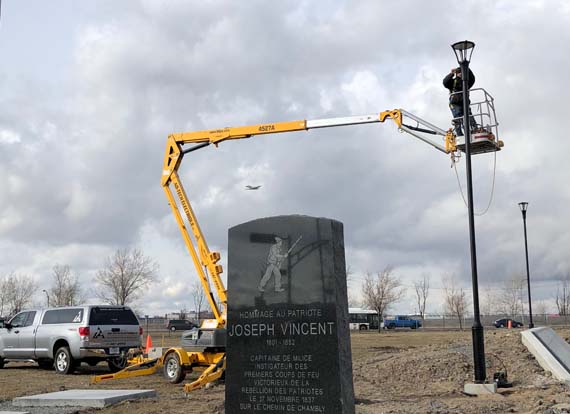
[288,343]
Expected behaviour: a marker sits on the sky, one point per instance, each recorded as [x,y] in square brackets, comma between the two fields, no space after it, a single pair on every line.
[90,90]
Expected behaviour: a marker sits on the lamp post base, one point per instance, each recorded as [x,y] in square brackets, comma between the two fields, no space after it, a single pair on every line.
[477,334]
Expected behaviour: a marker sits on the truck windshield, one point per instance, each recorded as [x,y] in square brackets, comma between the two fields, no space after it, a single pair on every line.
[112,316]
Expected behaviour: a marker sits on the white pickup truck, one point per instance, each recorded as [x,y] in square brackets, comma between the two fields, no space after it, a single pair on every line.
[64,337]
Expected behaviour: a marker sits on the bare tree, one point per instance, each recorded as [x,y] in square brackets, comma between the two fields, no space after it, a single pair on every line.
[25,287]
[16,293]
[125,277]
[563,296]
[421,288]
[65,290]
[541,311]
[489,302]
[456,301]
[382,290]
[198,297]
[4,294]
[541,308]
[352,299]
[510,300]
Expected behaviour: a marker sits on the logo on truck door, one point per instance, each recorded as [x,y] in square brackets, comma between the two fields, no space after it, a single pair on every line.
[99,333]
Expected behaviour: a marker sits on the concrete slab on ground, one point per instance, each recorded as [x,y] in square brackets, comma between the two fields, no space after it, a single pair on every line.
[14,412]
[82,398]
[550,350]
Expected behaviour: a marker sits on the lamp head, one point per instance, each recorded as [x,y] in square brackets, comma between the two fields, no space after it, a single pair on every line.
[463,50]
[523,206]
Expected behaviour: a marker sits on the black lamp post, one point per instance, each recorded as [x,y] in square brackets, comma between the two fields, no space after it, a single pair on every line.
[463,51]
[523,206]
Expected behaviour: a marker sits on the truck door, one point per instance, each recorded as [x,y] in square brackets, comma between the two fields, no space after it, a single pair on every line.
[27,339]
[11,337]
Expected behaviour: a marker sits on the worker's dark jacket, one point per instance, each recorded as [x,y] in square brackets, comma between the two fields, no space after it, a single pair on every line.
[456,85]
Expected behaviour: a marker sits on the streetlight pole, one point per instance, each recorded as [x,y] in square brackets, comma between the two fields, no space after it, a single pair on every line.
[523,206]
[47,296]
[463,51]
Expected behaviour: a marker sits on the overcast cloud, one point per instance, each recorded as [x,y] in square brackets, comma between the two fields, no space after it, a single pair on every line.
[90,90]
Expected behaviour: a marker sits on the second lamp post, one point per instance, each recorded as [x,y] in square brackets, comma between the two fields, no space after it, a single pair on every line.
[523,206]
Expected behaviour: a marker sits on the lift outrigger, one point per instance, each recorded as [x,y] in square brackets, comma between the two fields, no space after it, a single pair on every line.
[203,349]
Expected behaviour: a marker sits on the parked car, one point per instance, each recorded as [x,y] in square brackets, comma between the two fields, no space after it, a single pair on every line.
[64,337]
[504,323]
[180,325]
[402,321]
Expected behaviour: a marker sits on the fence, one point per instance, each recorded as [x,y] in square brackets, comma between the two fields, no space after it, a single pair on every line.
[160,323]
[443,321]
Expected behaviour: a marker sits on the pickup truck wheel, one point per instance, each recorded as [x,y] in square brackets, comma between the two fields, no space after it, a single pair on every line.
[117,364]
[1,363]
[64,363]
[46,363]
[172,370]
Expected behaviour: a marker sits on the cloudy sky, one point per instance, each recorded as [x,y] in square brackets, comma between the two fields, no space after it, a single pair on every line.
[90,90]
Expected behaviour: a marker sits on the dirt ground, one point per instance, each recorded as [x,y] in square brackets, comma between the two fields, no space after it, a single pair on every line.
[394,372]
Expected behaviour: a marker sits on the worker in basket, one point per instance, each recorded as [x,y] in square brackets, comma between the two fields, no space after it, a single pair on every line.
[454,82]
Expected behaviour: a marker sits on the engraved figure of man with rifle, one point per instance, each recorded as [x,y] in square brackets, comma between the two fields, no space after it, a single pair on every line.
[274,260]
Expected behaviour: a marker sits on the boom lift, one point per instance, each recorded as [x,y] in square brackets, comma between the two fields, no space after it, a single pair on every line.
[203,349]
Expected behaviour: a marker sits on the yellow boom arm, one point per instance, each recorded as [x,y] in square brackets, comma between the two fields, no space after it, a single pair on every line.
[198,248]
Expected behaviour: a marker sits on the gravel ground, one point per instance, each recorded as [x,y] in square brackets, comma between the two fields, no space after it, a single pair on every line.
[7,406]
[394,372]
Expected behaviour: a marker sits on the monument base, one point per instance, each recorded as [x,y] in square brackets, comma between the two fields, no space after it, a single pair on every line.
[480,389]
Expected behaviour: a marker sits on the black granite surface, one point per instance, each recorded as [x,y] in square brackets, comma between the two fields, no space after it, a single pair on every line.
[288,343]
[558,347]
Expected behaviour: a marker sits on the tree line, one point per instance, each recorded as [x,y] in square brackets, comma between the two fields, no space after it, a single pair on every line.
[123,279]
[382,290]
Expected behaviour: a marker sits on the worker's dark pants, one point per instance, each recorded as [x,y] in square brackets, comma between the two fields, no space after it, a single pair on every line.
[457,112]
